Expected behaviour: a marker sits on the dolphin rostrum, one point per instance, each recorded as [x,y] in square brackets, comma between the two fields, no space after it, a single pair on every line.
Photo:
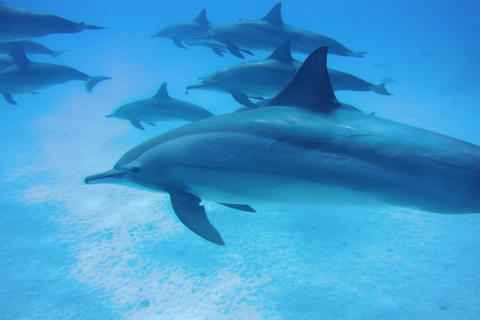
[22,24]
[29,47]
[303,147]
[268,33]
[26,76]
[161,107]
[267,77]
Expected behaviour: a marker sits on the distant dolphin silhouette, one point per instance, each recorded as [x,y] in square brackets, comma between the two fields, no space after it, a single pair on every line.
[161,107]
[22,24]
[29,47]
[302,147]
[267,77]
[189,32]
[26,76]
[268,33]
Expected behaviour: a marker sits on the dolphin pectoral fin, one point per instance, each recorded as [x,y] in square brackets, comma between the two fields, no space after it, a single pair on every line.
[9,99]
[234,50]
[241,207]
[179,43]
[217,51]
[57,53]
[188,209]
[243,99]
[247,52]
[93,81]
[137,124]
[380,89]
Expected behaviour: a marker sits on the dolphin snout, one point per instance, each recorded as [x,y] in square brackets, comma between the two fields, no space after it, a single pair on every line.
[196,86]
[110,115]
[105,177]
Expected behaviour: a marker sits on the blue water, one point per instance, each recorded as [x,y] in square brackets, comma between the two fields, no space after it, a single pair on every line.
[71,251]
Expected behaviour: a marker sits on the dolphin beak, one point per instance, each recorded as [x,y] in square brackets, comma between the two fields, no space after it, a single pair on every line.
[111,176]
[155,36]
[196,86]
[110,115]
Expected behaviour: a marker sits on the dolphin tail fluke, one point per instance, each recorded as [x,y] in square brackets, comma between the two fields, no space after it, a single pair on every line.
[9,99]
[380,89]
[93,81]
[235,51]
[357,54]
[188,209]
[243,99]
[57,53]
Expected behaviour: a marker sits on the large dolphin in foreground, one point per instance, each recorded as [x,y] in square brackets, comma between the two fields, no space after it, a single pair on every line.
[302,147]
[267,77]
[161,107]
[29,47]
[189,32]
[26,76]
[22,24]
[268,33]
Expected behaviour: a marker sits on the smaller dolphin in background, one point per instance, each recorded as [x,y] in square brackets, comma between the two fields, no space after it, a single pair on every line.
[29,47]
[189,32]
[26,76]
[186,31]
[161,107]
[267,77]
[268,33]
[22,24]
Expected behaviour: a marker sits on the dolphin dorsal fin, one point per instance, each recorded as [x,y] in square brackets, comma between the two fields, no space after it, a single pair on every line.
[275,15]
[282,53]
[19,56]
[202,17]
[162,92]
[310,87]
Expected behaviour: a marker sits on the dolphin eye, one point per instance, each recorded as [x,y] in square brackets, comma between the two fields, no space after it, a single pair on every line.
[135,169]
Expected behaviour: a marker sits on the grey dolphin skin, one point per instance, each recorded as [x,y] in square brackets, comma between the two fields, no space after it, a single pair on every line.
[22,24]
[267,77]
[161,107]
[268,33]
[26,76]
[302,147]
[29,47]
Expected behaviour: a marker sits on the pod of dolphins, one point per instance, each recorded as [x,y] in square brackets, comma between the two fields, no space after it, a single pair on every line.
[297,144]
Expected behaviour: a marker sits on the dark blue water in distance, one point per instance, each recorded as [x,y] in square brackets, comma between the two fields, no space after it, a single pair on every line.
[72,251]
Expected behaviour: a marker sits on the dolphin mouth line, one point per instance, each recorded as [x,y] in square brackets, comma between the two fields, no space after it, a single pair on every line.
[98,178]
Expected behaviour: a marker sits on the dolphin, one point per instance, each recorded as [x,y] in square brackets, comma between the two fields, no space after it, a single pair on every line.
[29,47]
[26,76]
[268,33]
[189,32]
[267,77]
[22,24]
[302,147]
[161,107]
